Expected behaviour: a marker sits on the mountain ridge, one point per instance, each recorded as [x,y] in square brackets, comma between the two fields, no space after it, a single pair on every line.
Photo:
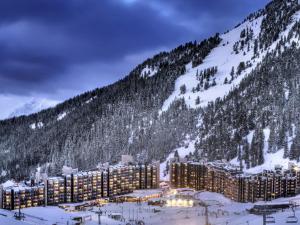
[33,106]
[166,101]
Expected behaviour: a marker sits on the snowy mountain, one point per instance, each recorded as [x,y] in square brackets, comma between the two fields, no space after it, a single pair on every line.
[234,96]
[33,106]
[231,89]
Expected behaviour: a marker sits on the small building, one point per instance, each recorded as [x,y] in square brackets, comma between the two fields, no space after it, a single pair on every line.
[139,196]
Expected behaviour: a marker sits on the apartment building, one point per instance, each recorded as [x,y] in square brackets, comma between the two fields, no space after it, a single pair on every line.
[109,181]
[228,180]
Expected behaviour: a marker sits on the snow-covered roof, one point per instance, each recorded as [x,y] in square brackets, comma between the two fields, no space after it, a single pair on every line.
[143,193]
[9,183]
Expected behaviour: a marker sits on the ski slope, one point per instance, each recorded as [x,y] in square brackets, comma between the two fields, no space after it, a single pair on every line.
[224,58]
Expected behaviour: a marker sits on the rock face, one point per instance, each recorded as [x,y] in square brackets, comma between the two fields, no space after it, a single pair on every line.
[235,95]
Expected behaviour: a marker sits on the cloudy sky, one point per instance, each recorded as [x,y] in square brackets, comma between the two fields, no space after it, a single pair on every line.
[55,49]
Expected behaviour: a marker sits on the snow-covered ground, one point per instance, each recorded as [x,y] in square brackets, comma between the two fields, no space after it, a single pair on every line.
[221,211]
[50,216]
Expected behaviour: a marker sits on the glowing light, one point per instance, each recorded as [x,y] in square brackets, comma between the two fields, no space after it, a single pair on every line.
[179,203]
[169,203]
[185,203]
[173,202]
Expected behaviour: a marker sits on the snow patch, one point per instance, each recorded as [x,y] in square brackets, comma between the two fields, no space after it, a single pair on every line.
[32,126]
[130,139]
[9,183]
[61,116]
[148,72]
[3,173]
[38,125]
[90,100]
[250,137]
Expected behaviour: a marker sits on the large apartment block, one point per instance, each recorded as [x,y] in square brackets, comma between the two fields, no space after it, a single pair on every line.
[106,182]
[22,197]
[228,180]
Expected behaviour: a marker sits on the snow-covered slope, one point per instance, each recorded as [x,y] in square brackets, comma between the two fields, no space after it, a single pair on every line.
[225,58]
[271,160]
[105,123]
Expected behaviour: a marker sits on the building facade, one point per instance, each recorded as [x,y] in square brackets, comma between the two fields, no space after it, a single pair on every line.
[228,180]
[82,186]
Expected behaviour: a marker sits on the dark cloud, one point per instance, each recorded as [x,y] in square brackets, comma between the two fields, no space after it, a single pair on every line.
[61,48]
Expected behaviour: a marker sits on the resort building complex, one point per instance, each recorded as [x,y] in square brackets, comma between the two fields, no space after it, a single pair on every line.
[74,186]
[232,183]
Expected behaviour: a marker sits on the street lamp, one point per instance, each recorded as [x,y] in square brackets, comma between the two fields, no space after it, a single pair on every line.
[99,215]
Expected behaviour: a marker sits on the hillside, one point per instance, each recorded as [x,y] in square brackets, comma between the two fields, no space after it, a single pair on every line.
[233,96]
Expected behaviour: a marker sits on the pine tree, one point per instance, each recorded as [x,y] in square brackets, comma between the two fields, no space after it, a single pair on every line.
[257,148]
[246,153]
[253,151]
[196,155]
[255,47]
[206,85]
[226,80]
[240,158]
[197,75]
[286,148]
[232,73]
[183,89]
[197,100]
[176,155]
[214,83]
[272,141]
[261,139]
[293,151]
[201,81]
[167,168]
[241,67]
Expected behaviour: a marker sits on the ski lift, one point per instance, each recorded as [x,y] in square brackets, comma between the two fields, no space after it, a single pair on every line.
[270,219]
[292,219]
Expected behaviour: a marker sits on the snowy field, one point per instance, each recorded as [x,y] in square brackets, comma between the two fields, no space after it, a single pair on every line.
[221,211]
